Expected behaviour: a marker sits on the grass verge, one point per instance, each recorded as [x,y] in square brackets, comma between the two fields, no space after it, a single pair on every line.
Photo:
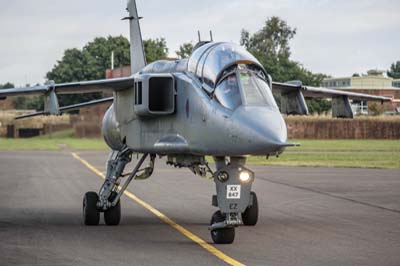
[331,153]
[338,153]
[54,142]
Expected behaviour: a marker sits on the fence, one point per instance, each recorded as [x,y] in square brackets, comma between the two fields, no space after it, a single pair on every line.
[331,128]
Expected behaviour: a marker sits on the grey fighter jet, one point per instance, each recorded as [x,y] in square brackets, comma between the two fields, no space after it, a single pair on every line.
[218,103]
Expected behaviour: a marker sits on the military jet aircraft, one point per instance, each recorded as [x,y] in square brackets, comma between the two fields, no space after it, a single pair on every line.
[218,102]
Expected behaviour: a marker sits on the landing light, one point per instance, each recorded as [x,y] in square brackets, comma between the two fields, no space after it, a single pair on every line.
[244,176]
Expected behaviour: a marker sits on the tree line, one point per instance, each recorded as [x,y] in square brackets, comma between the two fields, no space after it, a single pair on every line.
[270,45]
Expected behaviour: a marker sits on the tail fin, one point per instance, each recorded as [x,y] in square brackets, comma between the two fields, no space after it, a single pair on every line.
[138,60]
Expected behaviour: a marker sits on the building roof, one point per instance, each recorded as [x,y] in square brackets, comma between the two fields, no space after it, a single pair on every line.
[374,80]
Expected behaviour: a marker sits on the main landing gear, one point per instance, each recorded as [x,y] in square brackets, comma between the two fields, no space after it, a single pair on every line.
[237,203]
[91,215]
[108,199]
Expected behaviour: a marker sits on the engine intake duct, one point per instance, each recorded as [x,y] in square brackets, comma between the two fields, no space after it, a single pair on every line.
[154,94]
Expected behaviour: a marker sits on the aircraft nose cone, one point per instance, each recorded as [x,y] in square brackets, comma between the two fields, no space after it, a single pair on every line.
[263,129]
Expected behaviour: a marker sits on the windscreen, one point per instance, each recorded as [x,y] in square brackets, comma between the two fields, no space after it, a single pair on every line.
[256,90]
[252,93]
[227,92]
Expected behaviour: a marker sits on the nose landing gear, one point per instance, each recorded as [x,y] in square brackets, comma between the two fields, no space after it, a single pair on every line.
[224,235]
[250,215]
[234,199]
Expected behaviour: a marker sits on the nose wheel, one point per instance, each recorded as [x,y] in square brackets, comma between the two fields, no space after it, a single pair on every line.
[250,215]
[222,235]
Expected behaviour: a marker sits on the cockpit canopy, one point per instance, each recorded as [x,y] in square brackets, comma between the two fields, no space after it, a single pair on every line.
[232,76]
[210,60]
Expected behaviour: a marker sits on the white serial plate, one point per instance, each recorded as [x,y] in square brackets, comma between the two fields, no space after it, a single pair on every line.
[233,191]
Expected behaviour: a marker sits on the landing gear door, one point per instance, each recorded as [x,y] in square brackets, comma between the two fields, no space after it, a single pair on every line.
[233,188]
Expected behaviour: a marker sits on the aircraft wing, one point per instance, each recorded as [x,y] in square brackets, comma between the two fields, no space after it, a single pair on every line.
[73,87]
[293,98]
[51,90]
[319,92]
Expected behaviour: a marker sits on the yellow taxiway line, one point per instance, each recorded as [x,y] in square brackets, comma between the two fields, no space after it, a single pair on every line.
[210,248]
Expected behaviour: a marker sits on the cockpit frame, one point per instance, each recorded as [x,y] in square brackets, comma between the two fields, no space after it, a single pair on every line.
[210,61]
[241,85]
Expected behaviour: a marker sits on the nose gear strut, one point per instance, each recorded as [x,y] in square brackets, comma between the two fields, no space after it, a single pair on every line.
[237,204]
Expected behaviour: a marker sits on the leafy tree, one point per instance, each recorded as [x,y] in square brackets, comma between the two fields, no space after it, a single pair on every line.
[75,65]
[29,102]
[185,50]
[394,71]
[90,63]
[94,59]
[7,85]
[376,109]
[272,40]
[25,102]
[155,49]
[101,48]
[318,105]
[270,46]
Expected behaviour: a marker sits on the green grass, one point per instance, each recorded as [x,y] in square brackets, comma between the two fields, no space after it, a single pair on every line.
[338,153]
[86,144]
[332,153]
[57,141]
[346,145]
[334,159]
[27,144]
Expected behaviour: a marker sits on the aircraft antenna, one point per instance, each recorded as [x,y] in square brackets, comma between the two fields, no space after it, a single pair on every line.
[211,36]
[198,33]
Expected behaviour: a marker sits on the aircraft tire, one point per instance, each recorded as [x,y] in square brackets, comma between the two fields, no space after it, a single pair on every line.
[112,216]
[91,215]
[224,235]
[250,215]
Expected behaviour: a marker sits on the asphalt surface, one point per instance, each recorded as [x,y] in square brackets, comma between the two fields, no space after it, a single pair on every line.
[308,216]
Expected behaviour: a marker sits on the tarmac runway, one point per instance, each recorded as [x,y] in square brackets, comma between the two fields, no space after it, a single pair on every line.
[308,216]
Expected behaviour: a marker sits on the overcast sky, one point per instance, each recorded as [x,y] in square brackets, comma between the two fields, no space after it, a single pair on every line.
[333,37]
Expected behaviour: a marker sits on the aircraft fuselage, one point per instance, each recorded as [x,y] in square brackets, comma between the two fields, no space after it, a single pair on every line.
[200,124]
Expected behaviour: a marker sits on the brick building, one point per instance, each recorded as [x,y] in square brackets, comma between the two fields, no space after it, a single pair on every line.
[375,82]
[7,104]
